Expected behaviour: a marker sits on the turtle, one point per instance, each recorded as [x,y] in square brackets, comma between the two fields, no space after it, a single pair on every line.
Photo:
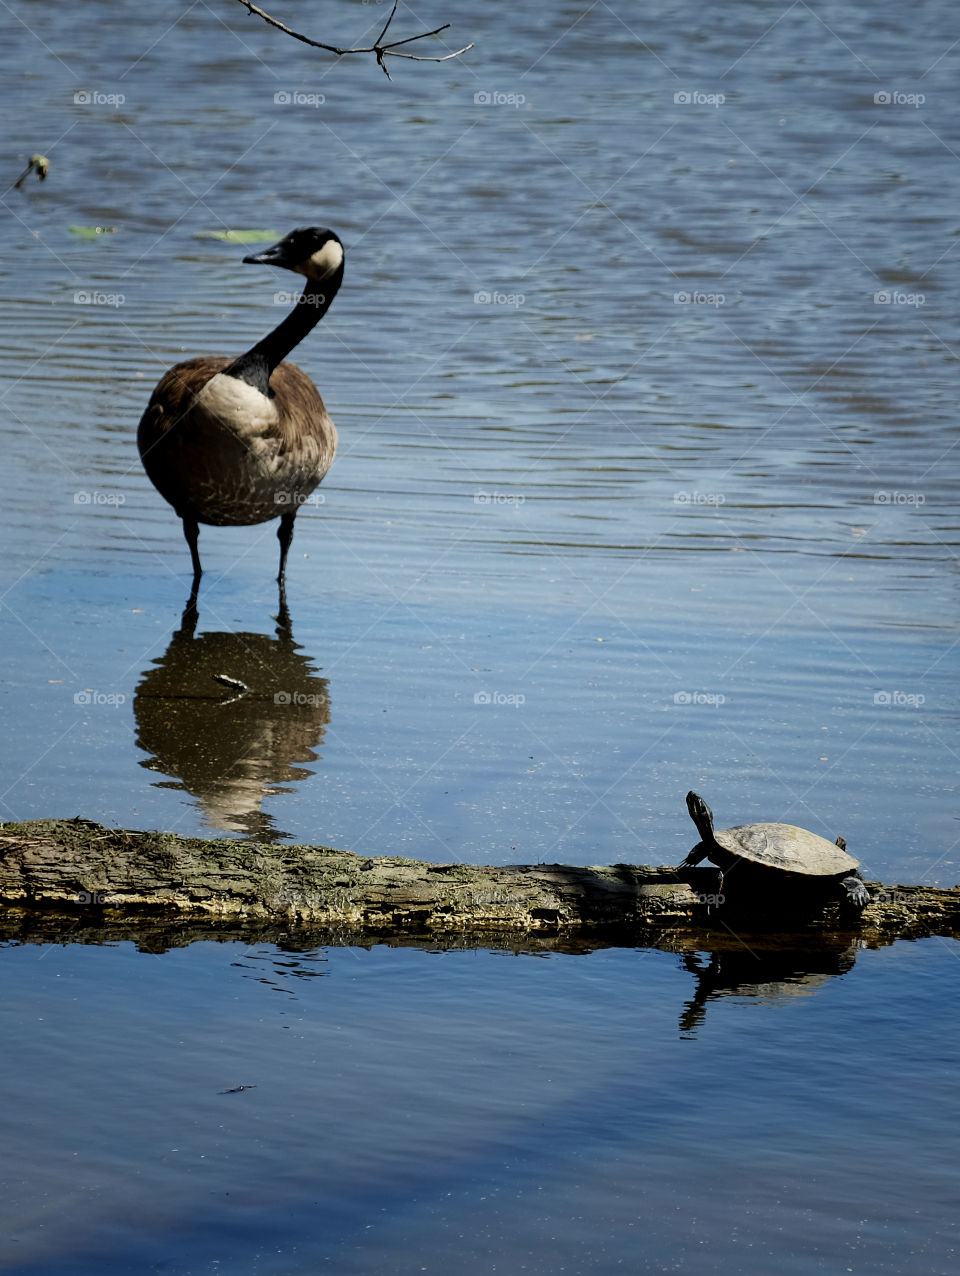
[782,848]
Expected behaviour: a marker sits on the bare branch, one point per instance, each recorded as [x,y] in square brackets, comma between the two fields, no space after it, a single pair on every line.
[378,48]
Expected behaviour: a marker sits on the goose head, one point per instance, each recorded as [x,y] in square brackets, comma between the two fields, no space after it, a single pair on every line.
[311,251]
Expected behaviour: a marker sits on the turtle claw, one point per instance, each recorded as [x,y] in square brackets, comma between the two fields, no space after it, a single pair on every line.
[857,893]
[693,858]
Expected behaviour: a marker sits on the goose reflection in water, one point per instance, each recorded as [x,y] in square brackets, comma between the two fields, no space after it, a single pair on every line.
[770,974]
[230,716]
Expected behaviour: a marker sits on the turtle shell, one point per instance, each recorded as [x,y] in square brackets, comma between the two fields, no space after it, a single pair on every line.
[784,846]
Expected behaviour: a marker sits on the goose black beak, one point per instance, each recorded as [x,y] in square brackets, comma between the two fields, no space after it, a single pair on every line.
[274,256]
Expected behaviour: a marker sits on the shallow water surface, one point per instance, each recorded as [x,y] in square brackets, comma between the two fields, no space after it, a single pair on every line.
[472,1111]
[644,369]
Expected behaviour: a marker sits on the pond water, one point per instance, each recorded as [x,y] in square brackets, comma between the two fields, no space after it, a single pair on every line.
[645,372]
[474,1112]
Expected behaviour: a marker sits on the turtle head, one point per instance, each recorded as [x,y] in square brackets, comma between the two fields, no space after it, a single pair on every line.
[701,815]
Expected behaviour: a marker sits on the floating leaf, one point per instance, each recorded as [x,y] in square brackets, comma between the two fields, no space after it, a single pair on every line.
[91,232]
[239,236]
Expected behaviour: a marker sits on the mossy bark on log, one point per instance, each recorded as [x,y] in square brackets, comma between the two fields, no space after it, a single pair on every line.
[63,866]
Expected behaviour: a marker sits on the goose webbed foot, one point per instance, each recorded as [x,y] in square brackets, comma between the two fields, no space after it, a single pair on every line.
[283,612]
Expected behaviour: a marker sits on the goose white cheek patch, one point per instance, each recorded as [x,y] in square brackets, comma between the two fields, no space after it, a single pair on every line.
[324,261]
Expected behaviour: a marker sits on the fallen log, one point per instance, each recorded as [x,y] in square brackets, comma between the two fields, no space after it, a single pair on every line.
[110,878]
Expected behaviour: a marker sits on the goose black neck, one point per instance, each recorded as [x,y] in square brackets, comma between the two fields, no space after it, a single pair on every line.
[256,366]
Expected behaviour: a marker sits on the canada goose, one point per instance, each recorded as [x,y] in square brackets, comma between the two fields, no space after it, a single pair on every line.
[235,441]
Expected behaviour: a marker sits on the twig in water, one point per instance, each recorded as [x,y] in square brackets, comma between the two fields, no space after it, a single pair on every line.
[38,162]
[378,48]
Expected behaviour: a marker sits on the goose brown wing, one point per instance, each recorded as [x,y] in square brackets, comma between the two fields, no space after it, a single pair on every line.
[304,428]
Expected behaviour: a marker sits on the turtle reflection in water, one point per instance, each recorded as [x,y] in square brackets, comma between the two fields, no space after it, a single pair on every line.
[768,974]
[776,856]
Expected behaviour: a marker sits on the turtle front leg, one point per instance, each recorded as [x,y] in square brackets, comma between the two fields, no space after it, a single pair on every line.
[695,856]
[857,894]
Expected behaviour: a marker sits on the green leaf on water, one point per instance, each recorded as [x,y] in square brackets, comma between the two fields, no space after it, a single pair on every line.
[91,232]
[239,236]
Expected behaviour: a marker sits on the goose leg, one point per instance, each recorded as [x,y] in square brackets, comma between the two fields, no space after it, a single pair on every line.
[284,536]
[191,531]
